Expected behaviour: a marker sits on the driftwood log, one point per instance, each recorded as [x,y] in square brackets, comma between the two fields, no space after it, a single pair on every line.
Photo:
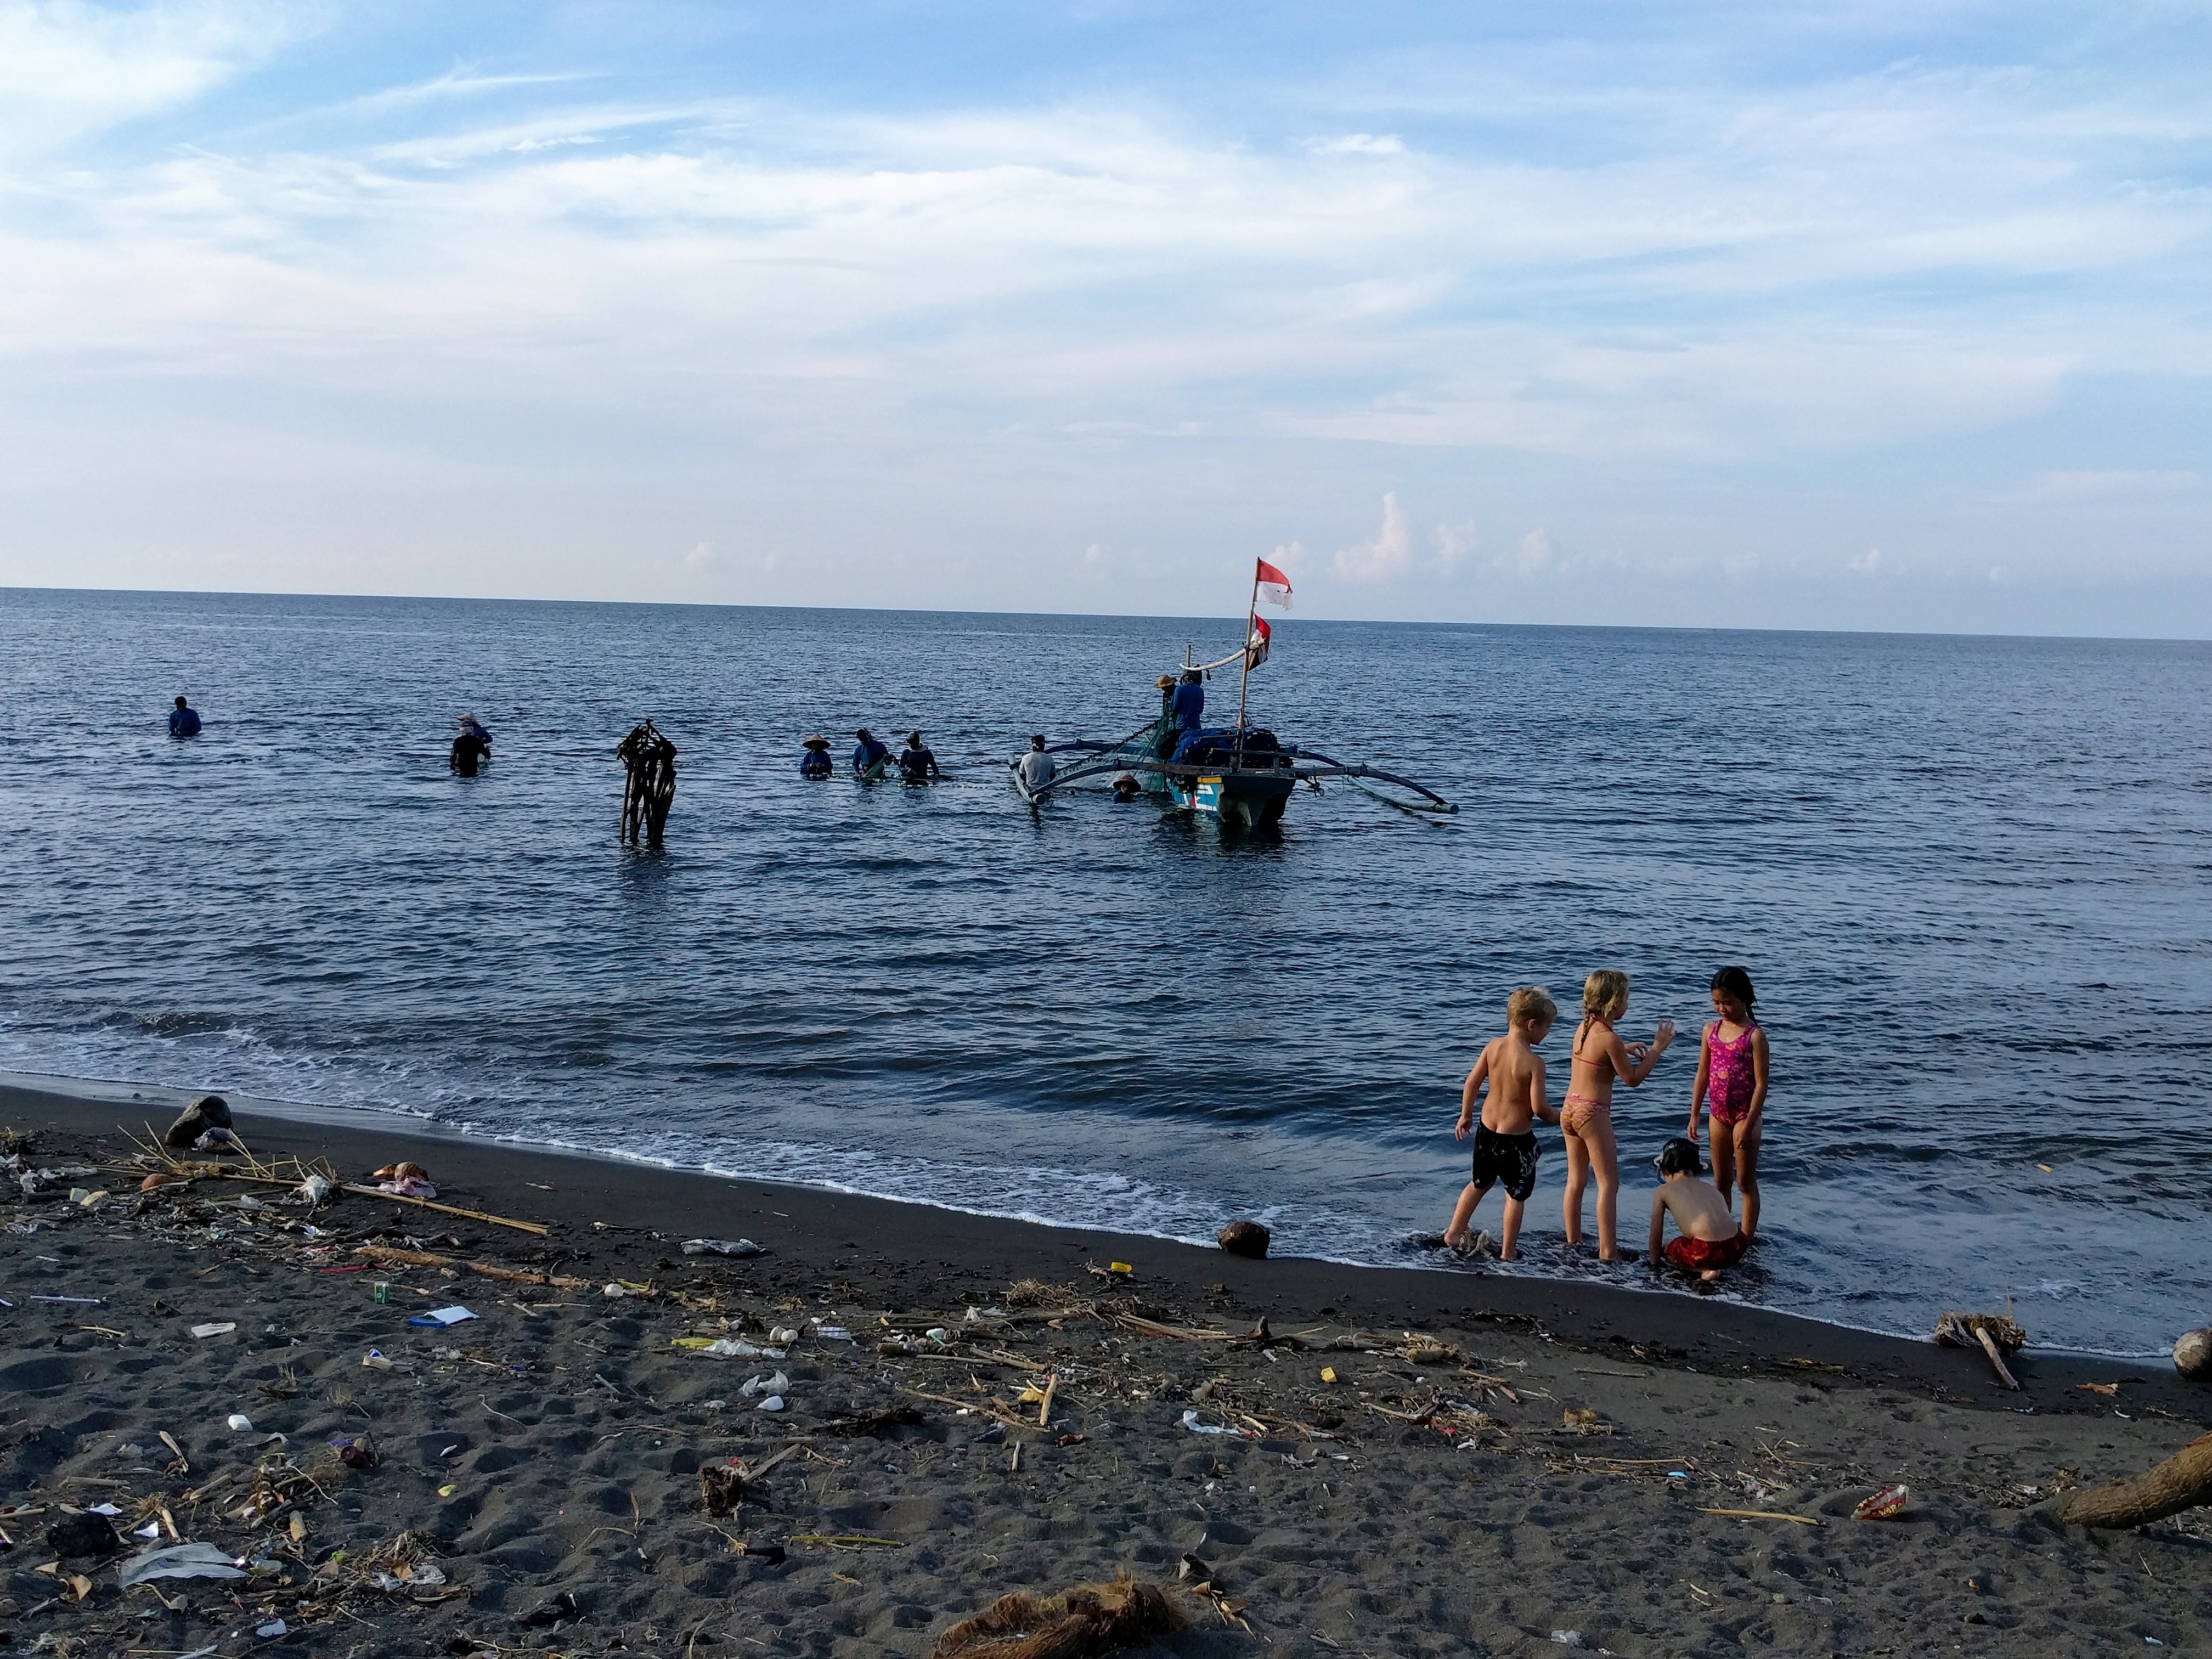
[2183,1482]
[1996,1334]
[648,791]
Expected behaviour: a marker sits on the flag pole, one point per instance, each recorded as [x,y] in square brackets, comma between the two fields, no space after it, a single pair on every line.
[1244,680]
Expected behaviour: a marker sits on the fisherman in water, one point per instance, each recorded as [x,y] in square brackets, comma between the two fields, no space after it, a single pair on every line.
[472,747]
[816,764]
[869,754]
[1036,769]
[184,721]
[916,762]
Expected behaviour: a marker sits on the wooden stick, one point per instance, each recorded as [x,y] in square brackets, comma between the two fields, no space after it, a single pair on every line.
[1989,1347]
[446,1209]
[1763,1515]
[1044,1410]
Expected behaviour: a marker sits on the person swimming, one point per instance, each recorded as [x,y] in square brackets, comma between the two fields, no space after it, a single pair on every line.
[916,764]
[815,764]
[1127,788]
[184,721]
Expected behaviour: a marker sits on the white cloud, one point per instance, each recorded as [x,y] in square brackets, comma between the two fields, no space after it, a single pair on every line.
[1532,555]
[69,67]
[1358,143]
[1095,556]
[1455,544]
[1866,563]
[699,557]
[1388,553]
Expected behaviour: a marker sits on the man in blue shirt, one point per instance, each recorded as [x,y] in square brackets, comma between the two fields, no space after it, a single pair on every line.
[1190,701]
[870,754]
[184,721]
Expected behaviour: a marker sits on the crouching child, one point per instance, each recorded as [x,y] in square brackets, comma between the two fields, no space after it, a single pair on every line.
[1709,1239]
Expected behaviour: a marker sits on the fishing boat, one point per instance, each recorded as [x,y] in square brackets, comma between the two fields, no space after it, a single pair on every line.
[1241,773]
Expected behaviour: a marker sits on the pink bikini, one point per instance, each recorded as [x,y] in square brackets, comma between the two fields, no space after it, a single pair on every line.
[1728,1077]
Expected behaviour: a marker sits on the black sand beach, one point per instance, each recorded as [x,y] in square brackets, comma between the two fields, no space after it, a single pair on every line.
[1500,1464]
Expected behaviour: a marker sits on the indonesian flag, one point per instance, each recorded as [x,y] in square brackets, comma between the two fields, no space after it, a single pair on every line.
[1263,637]
[1274,587]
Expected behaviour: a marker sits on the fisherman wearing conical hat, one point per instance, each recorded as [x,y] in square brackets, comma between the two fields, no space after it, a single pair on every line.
[916,762]
[816,764]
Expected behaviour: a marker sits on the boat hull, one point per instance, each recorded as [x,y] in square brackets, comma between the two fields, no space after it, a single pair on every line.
[1251,801]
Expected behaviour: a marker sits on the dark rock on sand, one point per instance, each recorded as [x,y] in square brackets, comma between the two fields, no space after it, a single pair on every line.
[1244,1238]
[208,1112]
[81,1535]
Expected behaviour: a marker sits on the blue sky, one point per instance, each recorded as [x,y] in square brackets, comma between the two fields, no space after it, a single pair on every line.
[1869,315]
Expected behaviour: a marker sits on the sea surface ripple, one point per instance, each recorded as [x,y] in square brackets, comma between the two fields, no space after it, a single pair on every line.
[1970,876]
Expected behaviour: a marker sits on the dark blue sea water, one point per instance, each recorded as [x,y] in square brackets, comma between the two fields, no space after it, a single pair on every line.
[1970,876]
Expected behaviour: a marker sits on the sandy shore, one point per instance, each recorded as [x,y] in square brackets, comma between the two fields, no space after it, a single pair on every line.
[1496,1461]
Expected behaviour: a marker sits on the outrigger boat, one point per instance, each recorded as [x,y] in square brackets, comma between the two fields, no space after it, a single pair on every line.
[1241,775]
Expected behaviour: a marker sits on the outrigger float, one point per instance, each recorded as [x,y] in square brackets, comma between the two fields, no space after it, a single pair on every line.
[1241,775]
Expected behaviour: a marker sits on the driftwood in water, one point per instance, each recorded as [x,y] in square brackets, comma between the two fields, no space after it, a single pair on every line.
[2182,1482]
[649,759]
[1996,1335]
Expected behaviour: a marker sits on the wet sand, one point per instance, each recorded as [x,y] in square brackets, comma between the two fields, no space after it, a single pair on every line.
[1498,1459]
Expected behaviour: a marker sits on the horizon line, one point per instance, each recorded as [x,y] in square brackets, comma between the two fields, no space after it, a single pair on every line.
[1114,615]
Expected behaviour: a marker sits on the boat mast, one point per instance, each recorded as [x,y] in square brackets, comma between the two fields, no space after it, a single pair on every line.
[1244,679]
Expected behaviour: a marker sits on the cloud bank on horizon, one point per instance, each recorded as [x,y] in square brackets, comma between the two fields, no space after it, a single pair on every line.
[1794,315]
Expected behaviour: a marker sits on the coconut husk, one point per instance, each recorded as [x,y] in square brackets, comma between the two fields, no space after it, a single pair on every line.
[1075,1624]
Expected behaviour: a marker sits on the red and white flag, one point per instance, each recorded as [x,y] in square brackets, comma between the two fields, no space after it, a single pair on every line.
[1263,637]
[1274,587]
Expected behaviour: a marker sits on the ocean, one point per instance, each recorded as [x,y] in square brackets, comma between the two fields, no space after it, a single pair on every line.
[1969,876]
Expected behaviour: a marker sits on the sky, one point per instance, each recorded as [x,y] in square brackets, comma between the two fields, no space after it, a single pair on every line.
[1869,315]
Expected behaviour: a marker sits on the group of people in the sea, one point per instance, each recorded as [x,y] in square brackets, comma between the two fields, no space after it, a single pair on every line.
[1729,1094]
[872,758]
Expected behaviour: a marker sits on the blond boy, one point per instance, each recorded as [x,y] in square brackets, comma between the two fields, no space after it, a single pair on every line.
[1505,1149]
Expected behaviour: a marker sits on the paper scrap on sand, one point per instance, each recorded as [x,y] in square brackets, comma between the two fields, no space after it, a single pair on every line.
[452,1316]
[179,1561]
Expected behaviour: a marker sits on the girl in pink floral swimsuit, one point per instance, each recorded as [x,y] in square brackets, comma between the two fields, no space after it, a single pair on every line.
[1732,1083]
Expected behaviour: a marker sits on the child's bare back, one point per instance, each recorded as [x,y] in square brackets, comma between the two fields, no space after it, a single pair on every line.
[1516,1086]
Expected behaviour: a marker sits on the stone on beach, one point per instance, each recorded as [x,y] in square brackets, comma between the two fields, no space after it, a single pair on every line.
[208,1112]
[1244,1238]
[2192,1355]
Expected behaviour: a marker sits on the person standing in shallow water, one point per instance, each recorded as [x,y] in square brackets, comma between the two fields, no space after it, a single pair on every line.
[471,747]
[1731,1088]
[814,765]
[1597,1059]
[184,721]
[916,764]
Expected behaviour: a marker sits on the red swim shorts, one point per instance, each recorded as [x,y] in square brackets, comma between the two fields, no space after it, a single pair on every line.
[1699,1255]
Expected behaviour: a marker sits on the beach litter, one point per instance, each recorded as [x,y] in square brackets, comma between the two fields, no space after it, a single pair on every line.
[441,1316]
[179,1561]
[1075,1624]
[721,1247]
[239,1423]
[725,1347]
[222,1328]
[78,1535]
[1190,1420]
[1885,1505]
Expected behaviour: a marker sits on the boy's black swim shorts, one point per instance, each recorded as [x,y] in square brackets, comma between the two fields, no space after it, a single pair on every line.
[1509,1160]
